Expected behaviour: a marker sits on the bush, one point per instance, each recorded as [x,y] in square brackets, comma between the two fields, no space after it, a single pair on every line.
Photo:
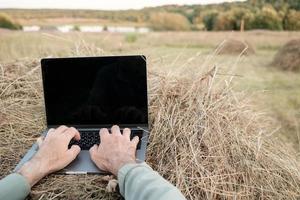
[7,22]
[105,28]
[131,37]
[76,28]
[292,20]
[169,21]
[267,18]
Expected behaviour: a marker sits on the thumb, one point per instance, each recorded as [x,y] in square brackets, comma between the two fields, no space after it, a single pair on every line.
[73,152]
[135,141]
[93,151]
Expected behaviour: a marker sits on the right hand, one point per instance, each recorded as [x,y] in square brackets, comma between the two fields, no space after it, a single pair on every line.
[53,154]
[115,150]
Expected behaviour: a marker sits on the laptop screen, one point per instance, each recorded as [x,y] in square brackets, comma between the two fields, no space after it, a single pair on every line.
[95,90]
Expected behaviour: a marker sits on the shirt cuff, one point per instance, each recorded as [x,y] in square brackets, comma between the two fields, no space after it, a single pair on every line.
[125,170]
[16,186]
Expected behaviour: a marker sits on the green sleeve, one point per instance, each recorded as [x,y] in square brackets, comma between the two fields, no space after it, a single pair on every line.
[14,187]
[139,181]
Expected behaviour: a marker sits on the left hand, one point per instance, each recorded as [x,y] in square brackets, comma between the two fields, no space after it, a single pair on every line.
[53,154]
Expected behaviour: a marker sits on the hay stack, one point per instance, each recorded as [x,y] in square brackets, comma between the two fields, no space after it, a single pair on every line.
[235,47]
[288,57]
[204,139]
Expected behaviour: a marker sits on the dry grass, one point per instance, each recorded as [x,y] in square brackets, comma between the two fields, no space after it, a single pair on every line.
[288,57]
[216,147]
[15,44]
[204,138]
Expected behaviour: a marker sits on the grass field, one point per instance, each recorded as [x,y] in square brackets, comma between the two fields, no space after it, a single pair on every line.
[275,92]
[235,157]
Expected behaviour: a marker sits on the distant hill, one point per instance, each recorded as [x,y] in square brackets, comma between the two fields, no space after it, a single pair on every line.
[251,14]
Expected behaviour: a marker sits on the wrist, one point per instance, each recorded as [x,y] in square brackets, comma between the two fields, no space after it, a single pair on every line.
[121,164]
[33,171]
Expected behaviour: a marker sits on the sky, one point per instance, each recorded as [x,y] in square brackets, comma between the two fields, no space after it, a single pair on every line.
[99,4]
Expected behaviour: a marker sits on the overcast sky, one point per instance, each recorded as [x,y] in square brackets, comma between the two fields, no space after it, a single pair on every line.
[98,4]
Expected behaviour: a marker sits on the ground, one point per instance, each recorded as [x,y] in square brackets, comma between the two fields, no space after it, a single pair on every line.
[276,92]
[273,93]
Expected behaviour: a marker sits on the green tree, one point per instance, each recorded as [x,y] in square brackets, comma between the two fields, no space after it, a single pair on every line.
[198,23]
[292,20]
[209,19]
[244,14]
[278,4]
[267,18]
[231,19]
[294,4]
[225,21]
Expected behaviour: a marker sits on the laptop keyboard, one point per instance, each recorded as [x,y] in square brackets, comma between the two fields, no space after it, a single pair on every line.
[89,138]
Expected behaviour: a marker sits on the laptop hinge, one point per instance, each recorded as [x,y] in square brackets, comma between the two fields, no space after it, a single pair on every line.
[101,126]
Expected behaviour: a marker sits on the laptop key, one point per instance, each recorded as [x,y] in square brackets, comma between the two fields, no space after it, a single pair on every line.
[89,138]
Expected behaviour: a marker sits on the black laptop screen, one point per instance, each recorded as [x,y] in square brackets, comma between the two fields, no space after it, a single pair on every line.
[95,90]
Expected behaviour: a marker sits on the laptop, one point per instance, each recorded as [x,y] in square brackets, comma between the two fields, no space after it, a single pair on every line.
[90,93]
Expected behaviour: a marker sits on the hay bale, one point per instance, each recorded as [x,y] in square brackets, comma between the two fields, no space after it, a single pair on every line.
[288,57]
[235,47]
[204,139]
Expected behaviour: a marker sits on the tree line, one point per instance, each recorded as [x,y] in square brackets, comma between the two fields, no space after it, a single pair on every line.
[248,15]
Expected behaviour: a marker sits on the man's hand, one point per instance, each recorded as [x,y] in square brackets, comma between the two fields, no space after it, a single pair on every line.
[53,154]
[115,149]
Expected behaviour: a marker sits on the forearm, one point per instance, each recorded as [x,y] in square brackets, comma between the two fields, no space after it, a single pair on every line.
[14,187]
[18,185]
[139,181]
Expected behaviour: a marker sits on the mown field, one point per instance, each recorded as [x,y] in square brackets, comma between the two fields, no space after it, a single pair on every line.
[274,92]
[222,126]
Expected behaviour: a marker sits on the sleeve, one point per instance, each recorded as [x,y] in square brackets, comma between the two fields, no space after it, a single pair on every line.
[14,187]
[139,181]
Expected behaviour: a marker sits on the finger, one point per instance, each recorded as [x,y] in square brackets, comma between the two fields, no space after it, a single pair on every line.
[97,160]
[51,130]
[39,141]
[72,133]
[61,129]
[135,141]
[126,133]
[103,133]
[72,153]
[93,151]
[115,130]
